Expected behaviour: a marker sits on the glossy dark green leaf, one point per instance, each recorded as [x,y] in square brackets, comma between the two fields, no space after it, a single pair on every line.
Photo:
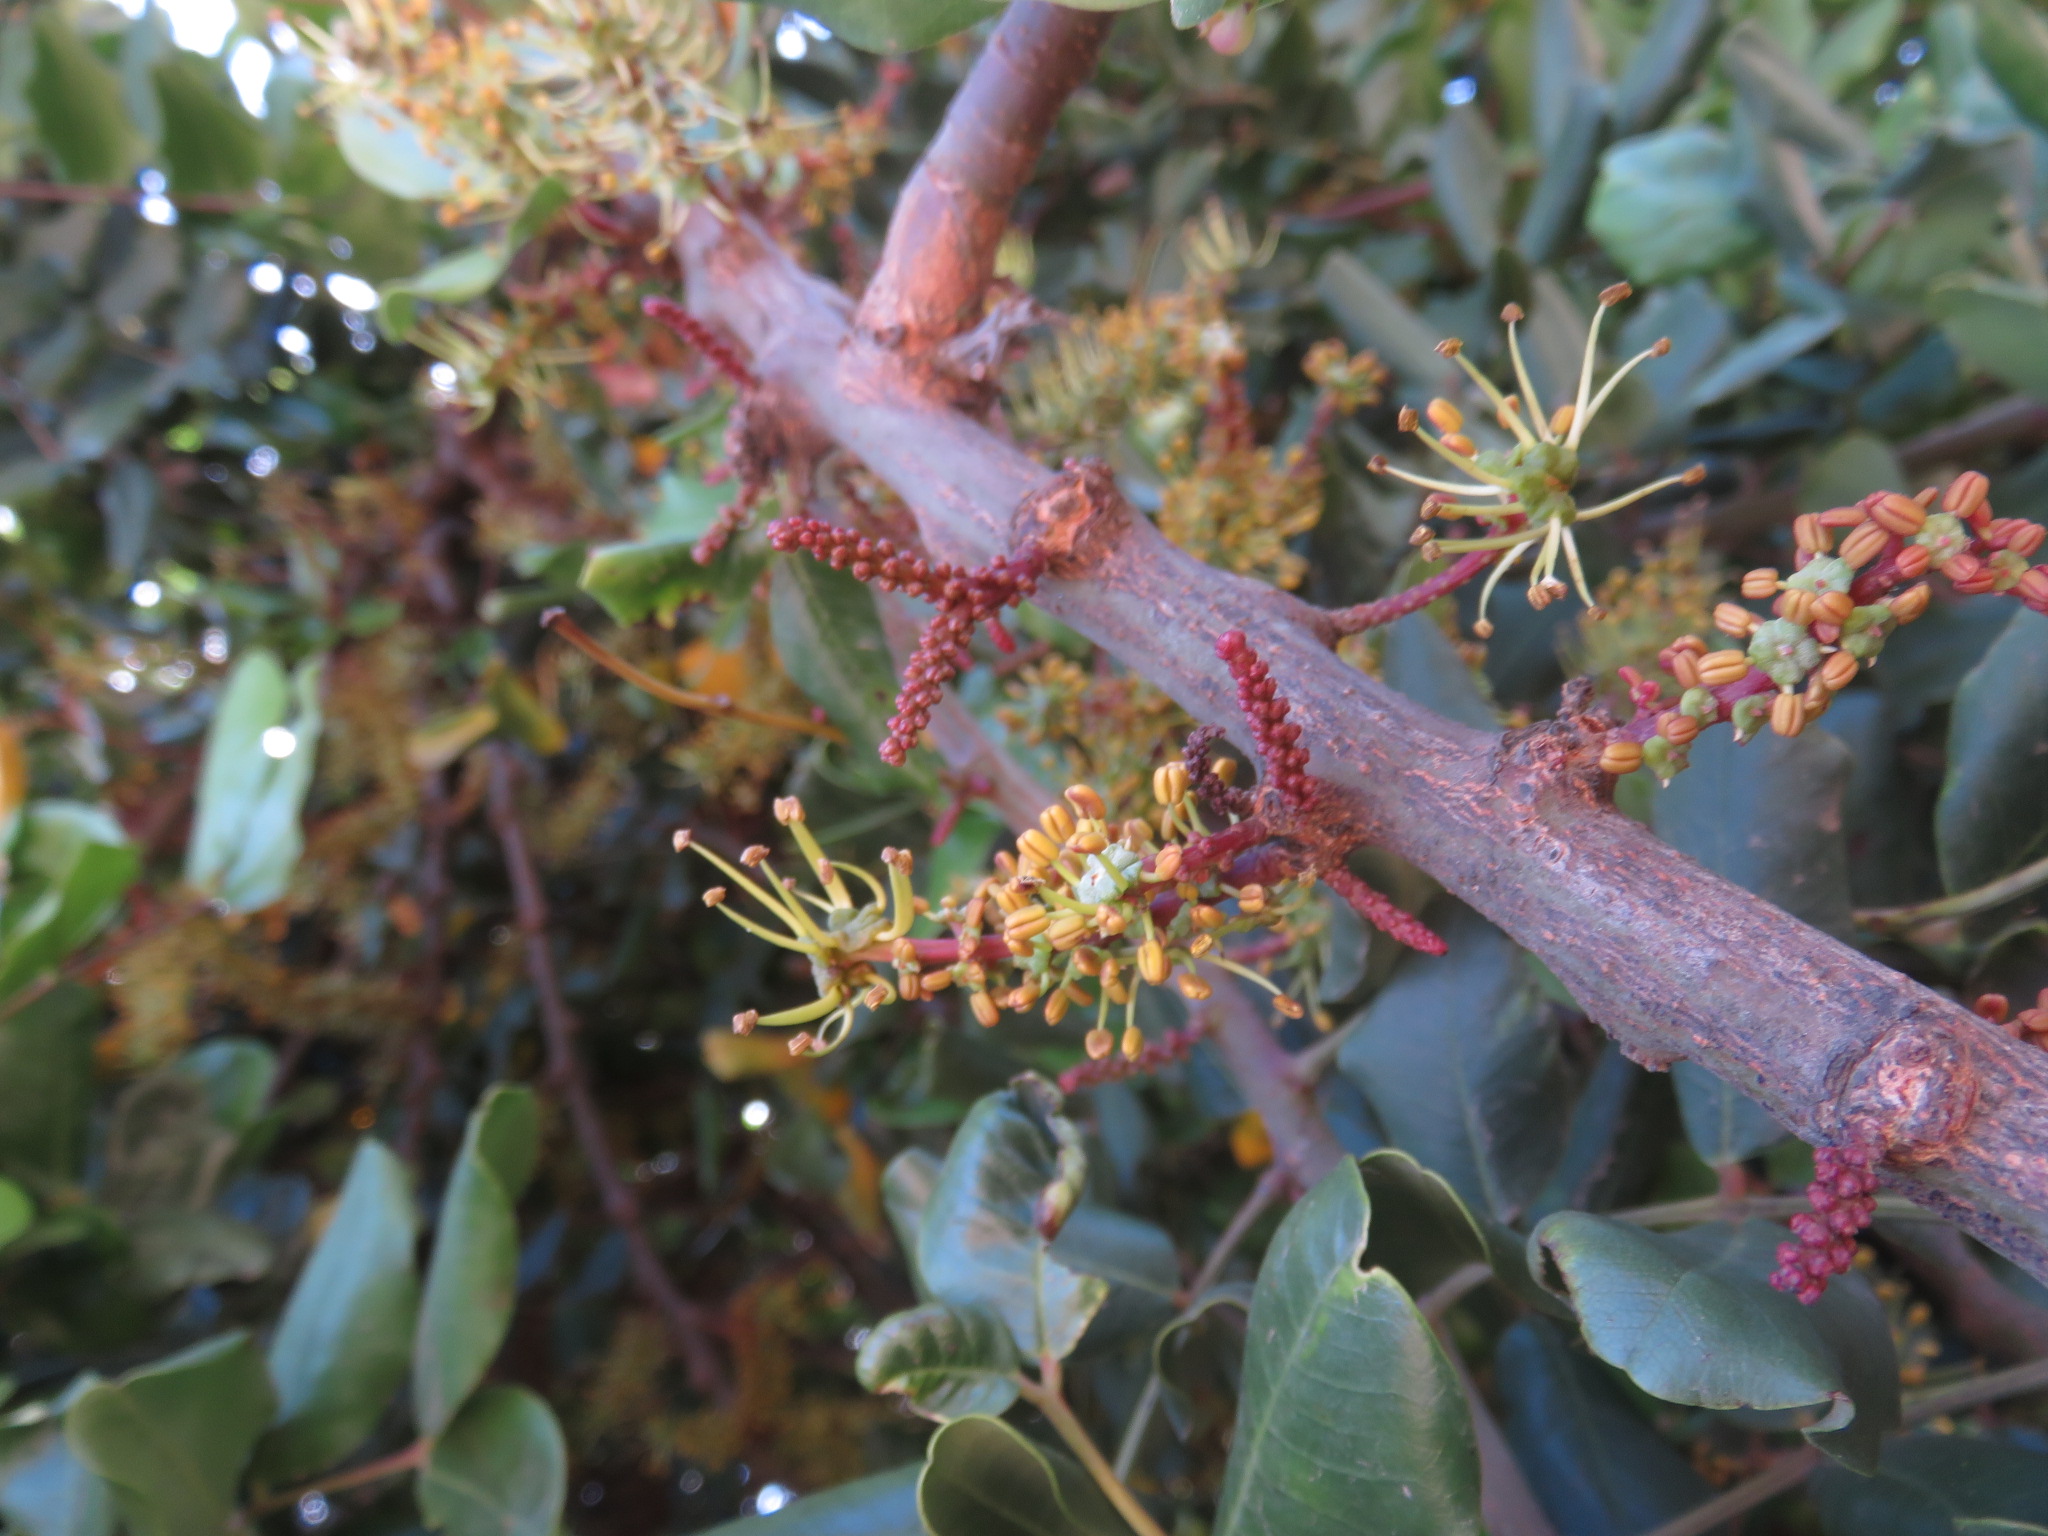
[1593,1462]
[453,279]
[983,1478]
[882,1505]
[1558,200]
[830,641]
[69,867]
[2012,42]
[1460,1061]
[172,1437]
[1669,204]
[1998,326]
[17,1211]
[898,26]
[467,1303]
[1763,354]
[1422,1233]
[1938,1485]
[176,1250]
[1724,1124]
[46,1081]
[1135,1256]
[342,1346]
[1351,1417]
[907,1185]
[79,114]
[209,142]
[978,1240]
[500,1469]
[1468,180]
[1691,1317]
[1992,816]
[1664,64]
[948,1362]
[1199,1358]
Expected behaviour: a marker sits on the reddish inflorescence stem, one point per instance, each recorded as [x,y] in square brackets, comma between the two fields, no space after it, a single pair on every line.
[1844,1198]
[963,597]
[1170,1047]
[1364,616]
[1279,743]
[717,351]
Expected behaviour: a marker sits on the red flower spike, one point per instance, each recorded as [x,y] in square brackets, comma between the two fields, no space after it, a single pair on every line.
[1172,1046]
[1844,1199]
[719,353]
[1266,713]
[963,597]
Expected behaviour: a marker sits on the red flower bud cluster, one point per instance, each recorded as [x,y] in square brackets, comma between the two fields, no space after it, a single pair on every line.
[1172,1046]
[1279,743]
[2027,1024]
[1843,1196]
[717,351]
[963,597]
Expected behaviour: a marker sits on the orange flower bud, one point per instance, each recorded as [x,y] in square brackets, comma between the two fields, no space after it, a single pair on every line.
[1966,493]
[1810,533]
[1817,698]
[1098,1044]
[1192,987]
[1841,517]
[1057,822]
[1760,584]
[1899,514]
[1458,442]
[1445,417]
[1913,561]
[1794,604]
[1733,619]
[1086,802]
[1838,671]
[1619,757]
[1133,1043]
[1685,667]
[1206,916]
[1166,863]
[2032,589]
[1788,714]
[1911,603]
[1864,544]
[1676,728]
[1719,667]
[985,1011]
[1152,962]
[1833,607]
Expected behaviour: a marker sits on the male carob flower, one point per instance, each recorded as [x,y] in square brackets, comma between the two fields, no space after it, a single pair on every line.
[1843,1195]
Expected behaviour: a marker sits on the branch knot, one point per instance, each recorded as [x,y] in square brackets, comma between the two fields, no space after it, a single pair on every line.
[1076,519]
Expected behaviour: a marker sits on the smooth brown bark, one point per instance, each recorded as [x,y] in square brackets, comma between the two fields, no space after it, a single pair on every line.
[941,250]
[1672,961]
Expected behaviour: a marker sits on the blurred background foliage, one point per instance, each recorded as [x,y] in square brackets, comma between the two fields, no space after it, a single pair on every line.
[317,395]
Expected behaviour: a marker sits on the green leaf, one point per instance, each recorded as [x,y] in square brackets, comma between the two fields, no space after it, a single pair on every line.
[176,1250]
[342,1345]
[1724,1124]
[46,1082]
[453,279]
[898,26]
[983,1478]
[1692,1318]
[1669,204]
[1459,1058]
[1856,45]
[245,831]
[501,1469]
[79,113]
[1192,13]
[45,1490]
[1558,199]
[384,147]
[1998,326]
[17,1211]
[173,1437]
[645,579]
[1763,354]
[1992,816]
[2012,42]
[907,1185]
[1372,314]
[70,866]
[979,1242]
[948,1361]
[1351,1417]
[237,1075]
[1418,659]
[1596,1466]
[1664,65]
[830,641]
[209,142]
[1422,1233]
[1468,180]
[1938,1485]
[1782,94]
[882,1505]
[1199,1357]
[472,1274]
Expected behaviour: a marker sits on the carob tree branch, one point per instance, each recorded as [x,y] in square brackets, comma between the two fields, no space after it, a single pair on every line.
[685,1322]
[1674,962]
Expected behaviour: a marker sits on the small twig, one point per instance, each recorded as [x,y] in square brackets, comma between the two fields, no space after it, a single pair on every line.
[2013,1382]
[1271,1185]
[1048,1400]
[423,1062]
[685,1321]
[340,1482]
[1964,904]
[1453,1288]
[1308,1064]
[1679,1213]
[1338,622]
[704,703]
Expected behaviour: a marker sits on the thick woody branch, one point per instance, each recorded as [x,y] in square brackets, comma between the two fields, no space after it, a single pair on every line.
[941,250]
[1672,961]
[682,1319]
